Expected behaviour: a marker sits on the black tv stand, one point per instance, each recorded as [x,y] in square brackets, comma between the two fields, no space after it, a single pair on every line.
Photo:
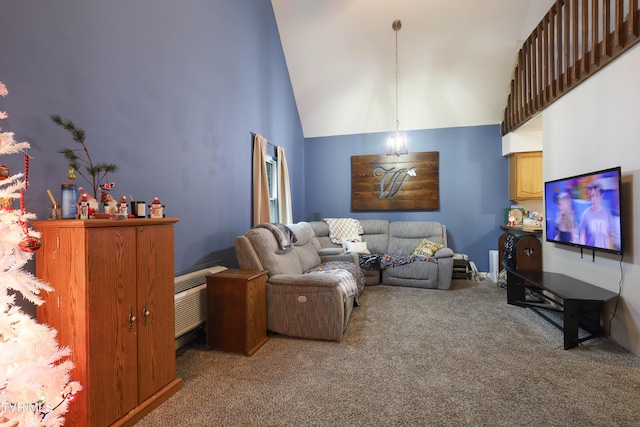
[579,302]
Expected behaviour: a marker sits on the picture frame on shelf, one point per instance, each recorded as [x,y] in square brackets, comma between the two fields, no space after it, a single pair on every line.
[514,216]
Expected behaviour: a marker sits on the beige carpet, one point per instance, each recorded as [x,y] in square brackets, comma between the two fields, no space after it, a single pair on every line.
[414,357]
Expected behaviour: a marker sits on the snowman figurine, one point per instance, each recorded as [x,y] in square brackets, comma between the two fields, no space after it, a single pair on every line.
[83,208]
[156,209]
[123,207]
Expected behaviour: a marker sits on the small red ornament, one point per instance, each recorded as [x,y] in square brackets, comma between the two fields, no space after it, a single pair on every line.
[30,244]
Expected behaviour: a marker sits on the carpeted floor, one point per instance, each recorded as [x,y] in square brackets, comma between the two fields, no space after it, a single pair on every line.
[414,357]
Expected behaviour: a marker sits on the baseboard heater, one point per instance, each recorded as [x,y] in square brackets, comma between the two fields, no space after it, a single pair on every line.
[190,300]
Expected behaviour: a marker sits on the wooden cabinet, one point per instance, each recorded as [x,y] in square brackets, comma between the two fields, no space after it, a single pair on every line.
[113,305]
[237,310]
[527,251]
[525,175]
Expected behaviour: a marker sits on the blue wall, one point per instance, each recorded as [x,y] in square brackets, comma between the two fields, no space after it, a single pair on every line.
[170,91]
[473,183]
[167,90]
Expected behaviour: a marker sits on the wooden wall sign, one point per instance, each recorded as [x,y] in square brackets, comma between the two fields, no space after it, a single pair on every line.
[393,183]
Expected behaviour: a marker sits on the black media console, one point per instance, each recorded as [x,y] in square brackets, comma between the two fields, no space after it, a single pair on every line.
[579,302]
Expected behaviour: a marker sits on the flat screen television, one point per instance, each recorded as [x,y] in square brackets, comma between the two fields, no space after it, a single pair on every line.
[584,211]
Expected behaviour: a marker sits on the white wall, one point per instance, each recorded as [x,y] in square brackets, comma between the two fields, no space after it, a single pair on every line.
[519,141]
[594,127]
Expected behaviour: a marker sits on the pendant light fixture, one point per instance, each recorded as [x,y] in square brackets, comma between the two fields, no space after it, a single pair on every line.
[397,143]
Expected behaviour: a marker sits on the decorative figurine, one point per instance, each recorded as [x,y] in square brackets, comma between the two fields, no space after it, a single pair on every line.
[107,186]
[83,210]
[123,207]
[109,203]
[156,209]
[92,204]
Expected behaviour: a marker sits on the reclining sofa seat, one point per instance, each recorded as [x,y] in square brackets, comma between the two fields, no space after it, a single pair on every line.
[300,305]
[404,236]
[375,233]
[400,238]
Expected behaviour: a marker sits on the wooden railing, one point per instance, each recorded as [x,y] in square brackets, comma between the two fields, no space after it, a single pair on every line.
[574,40]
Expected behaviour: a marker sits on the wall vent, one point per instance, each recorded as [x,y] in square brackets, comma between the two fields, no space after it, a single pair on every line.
[190,300]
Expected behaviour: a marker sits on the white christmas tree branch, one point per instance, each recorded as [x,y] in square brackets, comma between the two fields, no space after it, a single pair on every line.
[35,380]
[8,145]
[12,186]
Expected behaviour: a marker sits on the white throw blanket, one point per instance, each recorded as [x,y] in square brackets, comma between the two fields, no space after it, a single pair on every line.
[343,228]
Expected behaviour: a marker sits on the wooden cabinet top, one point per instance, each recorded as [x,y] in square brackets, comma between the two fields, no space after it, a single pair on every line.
[237,273]
[92,223]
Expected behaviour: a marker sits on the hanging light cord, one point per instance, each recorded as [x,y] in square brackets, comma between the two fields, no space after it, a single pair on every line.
[396,26]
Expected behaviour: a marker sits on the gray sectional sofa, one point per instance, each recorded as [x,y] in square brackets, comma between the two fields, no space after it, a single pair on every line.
[317,305]
[399,238]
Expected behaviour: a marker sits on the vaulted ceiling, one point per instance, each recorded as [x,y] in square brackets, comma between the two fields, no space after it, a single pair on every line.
[455,61]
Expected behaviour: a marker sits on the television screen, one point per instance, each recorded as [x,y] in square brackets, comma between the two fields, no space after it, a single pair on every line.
[584,211]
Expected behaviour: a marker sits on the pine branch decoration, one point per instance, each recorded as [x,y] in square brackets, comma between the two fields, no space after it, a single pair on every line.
[97,171]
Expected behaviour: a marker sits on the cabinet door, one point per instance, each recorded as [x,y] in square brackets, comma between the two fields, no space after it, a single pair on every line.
[61,262]
[156,337]
[48,262]
[112,384]
[525,176]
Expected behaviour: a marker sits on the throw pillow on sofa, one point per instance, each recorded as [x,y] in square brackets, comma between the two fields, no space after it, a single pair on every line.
[347,240]
[358,247]
[427,248]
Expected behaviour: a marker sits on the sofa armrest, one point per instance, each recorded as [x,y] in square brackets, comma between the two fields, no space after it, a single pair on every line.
[444,253]
[246,255]
[331,251]
[345,256]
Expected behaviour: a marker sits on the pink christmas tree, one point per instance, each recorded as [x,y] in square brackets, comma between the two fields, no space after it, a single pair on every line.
[35,380]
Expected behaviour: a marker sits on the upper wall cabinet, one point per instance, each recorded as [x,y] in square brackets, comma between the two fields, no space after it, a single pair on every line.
[525,175]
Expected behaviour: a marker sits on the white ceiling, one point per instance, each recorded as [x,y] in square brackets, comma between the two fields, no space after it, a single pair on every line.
[456,59]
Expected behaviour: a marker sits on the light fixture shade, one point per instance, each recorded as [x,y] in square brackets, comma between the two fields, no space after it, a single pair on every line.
[397,144]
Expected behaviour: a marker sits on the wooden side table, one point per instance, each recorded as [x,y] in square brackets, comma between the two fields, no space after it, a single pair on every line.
[237,310]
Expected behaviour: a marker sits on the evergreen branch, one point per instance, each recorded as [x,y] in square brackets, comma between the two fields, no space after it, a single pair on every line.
[98,170]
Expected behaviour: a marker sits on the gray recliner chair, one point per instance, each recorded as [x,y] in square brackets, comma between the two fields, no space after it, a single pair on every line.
[307,305]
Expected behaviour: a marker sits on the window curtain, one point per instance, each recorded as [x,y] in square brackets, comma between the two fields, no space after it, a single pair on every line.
[284,188]
[260,181]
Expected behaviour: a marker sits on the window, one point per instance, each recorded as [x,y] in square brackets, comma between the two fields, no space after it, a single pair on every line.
[272,178]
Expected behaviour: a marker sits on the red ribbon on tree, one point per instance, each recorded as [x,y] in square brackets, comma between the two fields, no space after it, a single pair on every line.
[28,243]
